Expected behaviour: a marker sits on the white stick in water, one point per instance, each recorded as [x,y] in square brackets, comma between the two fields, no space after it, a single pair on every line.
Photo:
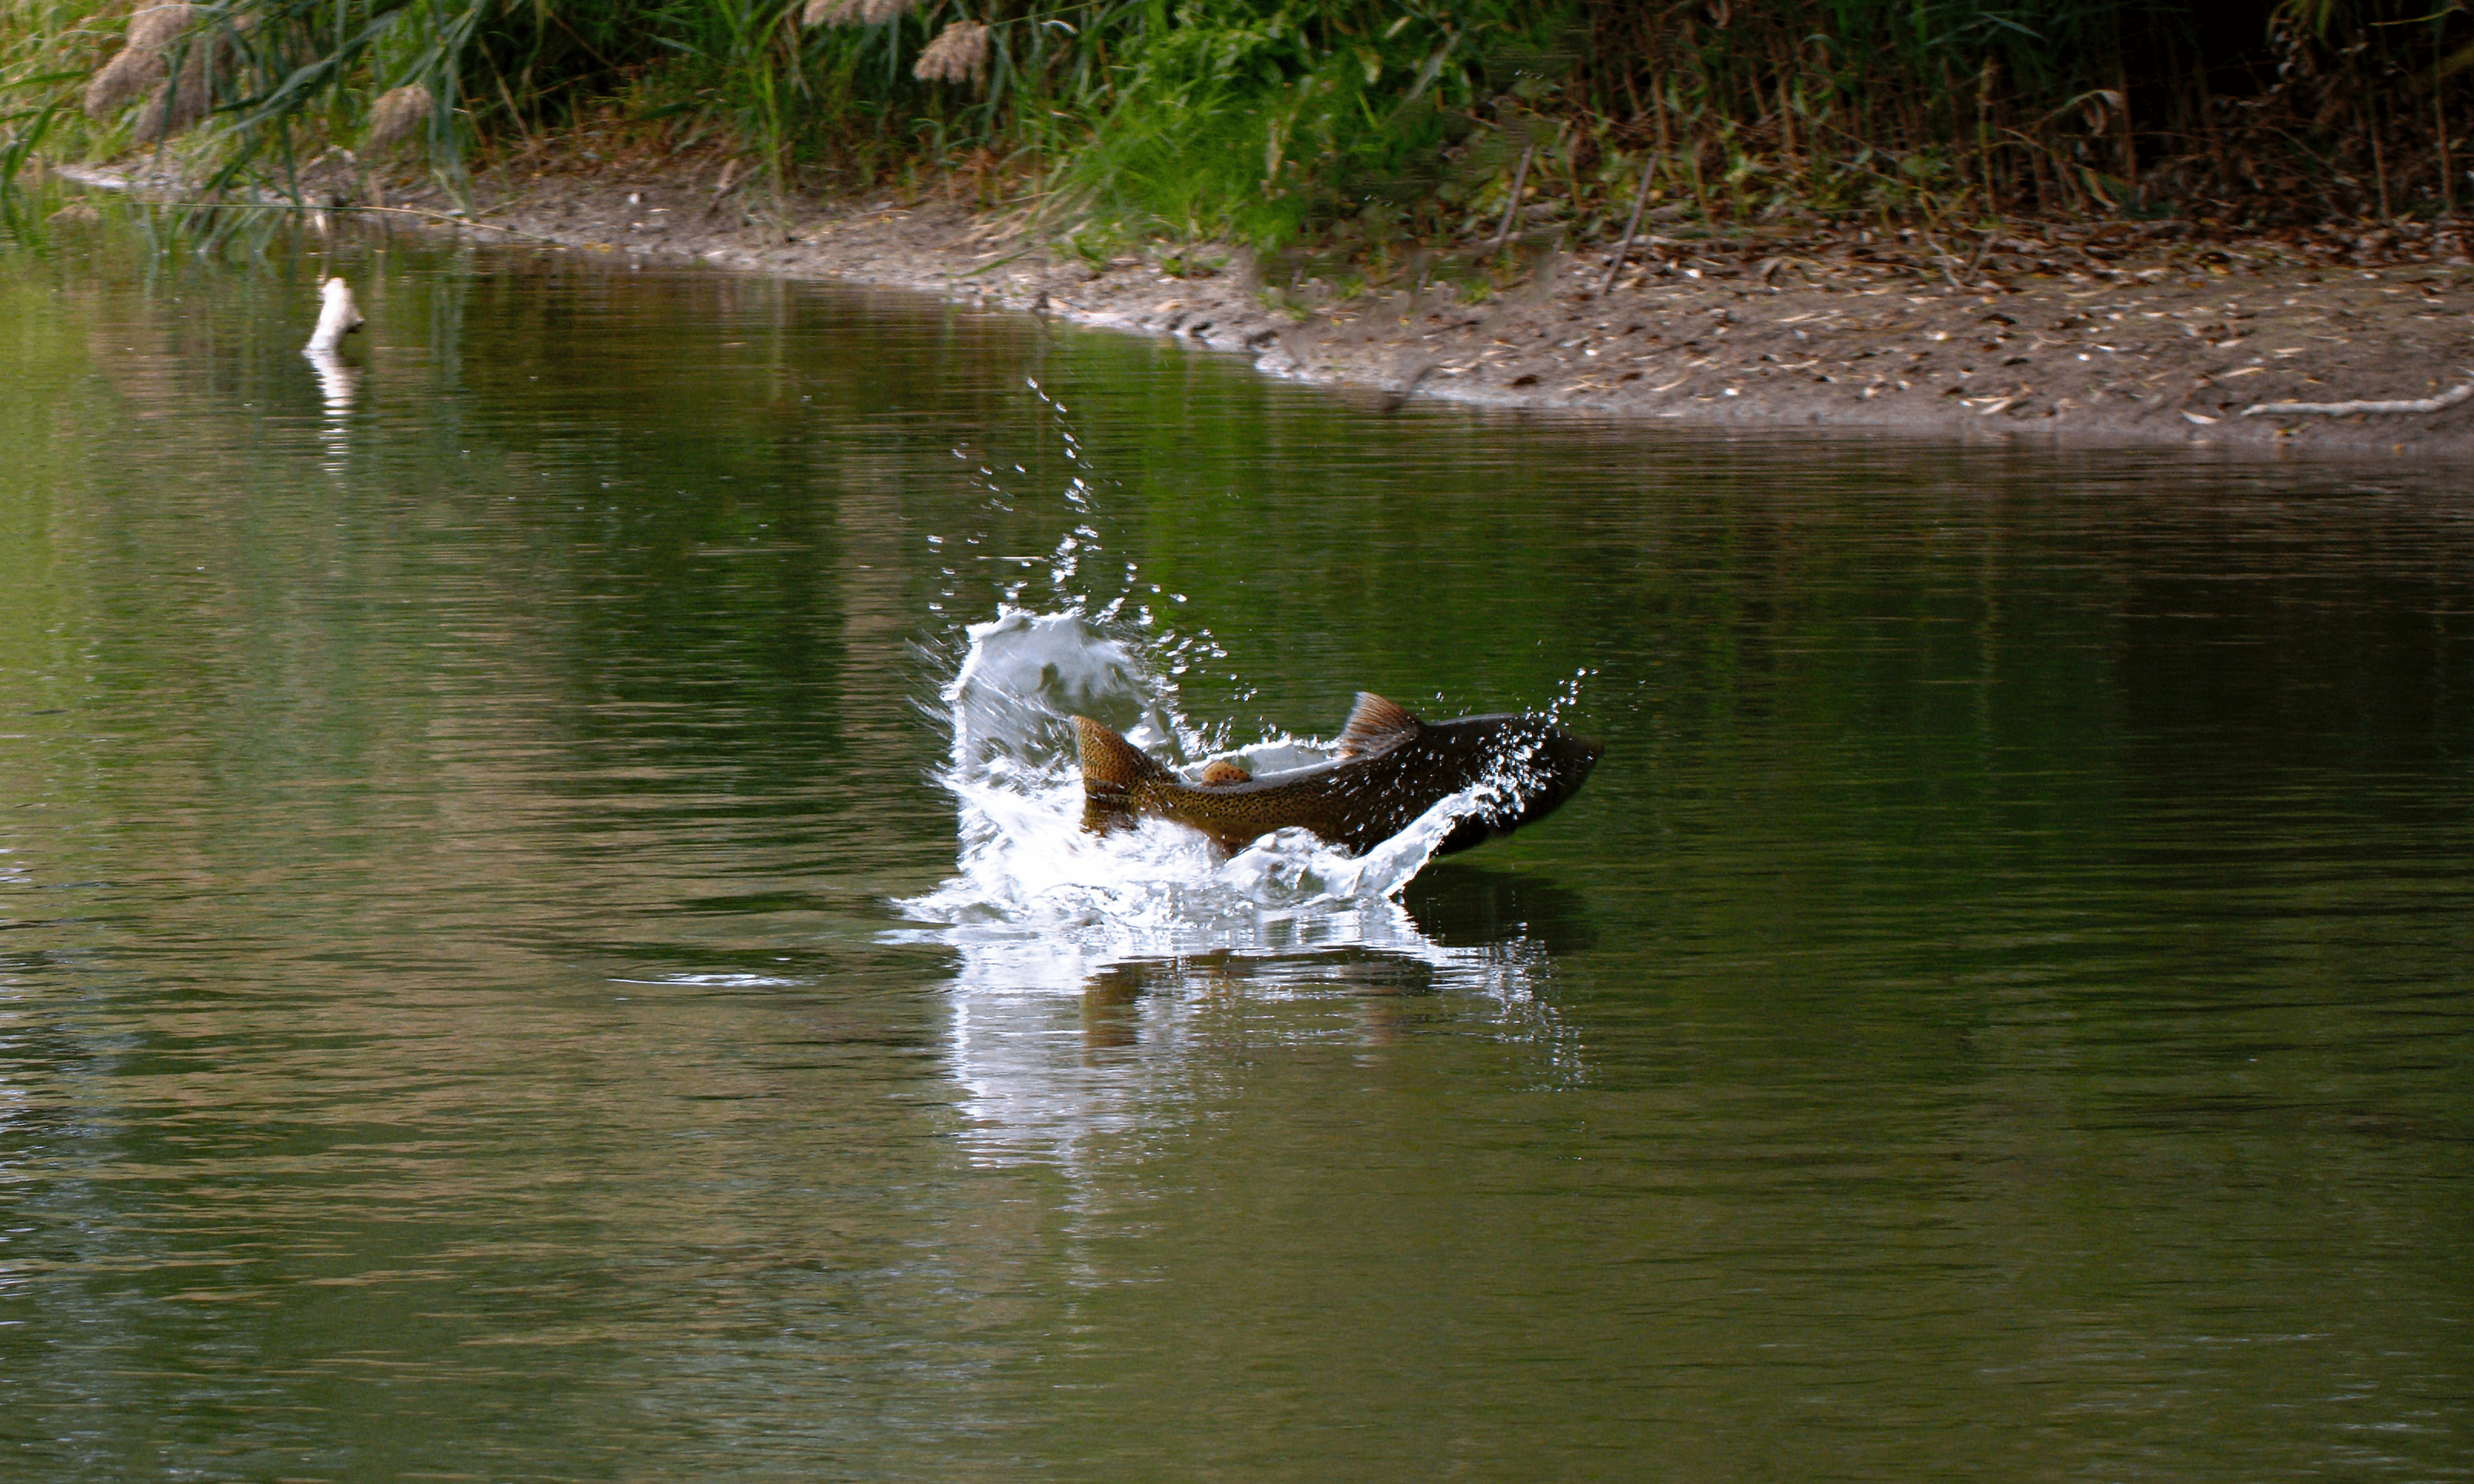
[339,319]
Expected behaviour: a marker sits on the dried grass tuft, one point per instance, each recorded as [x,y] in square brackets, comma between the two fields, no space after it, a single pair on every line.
[853,12]
[174,109]
[132,72]
[157,27]
[959,54]
[398,113]
[139,66]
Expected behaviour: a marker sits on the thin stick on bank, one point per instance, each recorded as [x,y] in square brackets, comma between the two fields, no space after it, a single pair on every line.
[1640,199]
[1512,206]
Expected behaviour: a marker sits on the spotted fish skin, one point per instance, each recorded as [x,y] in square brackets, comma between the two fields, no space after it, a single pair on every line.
[1392,767]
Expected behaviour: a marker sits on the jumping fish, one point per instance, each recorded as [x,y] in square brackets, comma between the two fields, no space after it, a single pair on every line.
[1390,767]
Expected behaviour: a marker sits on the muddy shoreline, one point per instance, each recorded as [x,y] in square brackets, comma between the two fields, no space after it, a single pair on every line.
[2126,334]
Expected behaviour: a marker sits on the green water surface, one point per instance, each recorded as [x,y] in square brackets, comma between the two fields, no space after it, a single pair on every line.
[1999,1011]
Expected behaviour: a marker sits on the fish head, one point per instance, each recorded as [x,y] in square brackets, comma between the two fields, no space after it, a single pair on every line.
[1549,767]
[1535,767]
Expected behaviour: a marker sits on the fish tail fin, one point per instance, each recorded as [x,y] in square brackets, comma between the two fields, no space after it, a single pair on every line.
[1112,768]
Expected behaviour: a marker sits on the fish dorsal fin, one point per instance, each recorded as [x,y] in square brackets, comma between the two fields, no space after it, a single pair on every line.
[1376,724]
[1226,771]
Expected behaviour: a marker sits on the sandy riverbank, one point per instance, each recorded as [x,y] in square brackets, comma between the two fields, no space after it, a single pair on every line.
[2128,334]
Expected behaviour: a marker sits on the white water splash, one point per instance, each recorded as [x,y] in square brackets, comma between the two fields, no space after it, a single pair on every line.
[1028,872]
[1071,942]
[1025,870]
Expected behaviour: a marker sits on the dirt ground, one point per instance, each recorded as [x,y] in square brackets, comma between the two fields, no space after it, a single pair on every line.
[2148,333]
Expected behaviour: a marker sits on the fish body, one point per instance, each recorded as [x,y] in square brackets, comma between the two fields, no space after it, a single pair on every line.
[1392,767]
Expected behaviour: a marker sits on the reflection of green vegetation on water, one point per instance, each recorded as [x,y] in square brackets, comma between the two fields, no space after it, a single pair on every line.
[2001,995]
[1381,126]
[38,596]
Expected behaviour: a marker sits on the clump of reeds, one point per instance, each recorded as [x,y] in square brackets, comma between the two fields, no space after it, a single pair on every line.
[396,114]
[959,54]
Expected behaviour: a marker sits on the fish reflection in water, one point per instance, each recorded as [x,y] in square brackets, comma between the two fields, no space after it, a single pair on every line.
[1112,998]
[1062,1057]
[1462,906]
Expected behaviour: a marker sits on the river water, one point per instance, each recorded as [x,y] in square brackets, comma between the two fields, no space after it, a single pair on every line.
[542,936]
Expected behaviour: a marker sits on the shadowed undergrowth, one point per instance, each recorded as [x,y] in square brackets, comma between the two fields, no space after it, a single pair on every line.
[1277,123]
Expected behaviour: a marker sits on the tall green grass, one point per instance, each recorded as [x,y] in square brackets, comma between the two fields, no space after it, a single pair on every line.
[1278,121]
